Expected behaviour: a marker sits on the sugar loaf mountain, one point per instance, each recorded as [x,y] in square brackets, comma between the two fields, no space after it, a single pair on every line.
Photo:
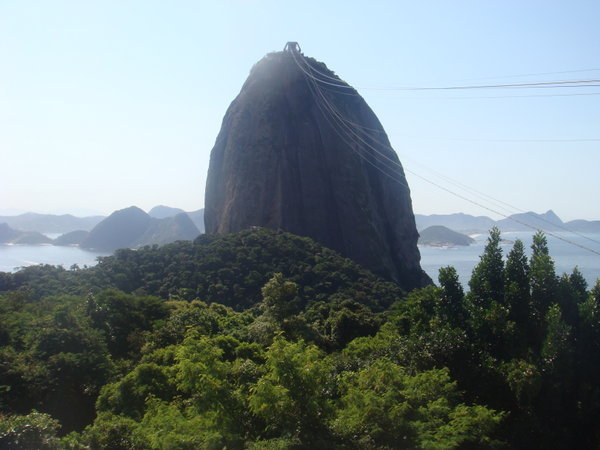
[301,151]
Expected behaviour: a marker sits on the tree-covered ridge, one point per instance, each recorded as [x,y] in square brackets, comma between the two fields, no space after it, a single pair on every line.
[513,363]
[229,269]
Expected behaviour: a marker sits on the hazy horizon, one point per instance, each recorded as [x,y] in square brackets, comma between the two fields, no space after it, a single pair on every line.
[83,212]
[104,105]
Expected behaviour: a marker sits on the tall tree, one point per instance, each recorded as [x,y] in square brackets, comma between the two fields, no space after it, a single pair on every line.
[453,295]
[543,282]
[572,292]
[487,279]
[516,294]
[279,297]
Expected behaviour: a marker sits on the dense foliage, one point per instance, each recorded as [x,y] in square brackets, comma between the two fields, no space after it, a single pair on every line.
[267,340]
[229,269]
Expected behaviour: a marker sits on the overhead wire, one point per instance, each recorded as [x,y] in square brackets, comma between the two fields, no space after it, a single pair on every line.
[561,84]
[329,106]
[312,69]
[594,82]
[338,114]
[479,97]
[532,74]
[568,241]
[534,85]
[340,117]
[348,123]
[503,140]
[509,207]
[329,111]
[334,78]
[333,120]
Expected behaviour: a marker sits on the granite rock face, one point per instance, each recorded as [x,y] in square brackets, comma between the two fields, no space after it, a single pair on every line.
[299,150]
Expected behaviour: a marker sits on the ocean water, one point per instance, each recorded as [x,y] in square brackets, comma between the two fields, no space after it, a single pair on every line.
[566,256]
[14,256]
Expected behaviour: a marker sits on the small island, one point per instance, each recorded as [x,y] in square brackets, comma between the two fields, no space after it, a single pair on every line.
[10,236]
[440,236]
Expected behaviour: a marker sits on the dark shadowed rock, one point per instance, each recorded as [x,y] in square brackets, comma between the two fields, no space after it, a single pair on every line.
[283,160]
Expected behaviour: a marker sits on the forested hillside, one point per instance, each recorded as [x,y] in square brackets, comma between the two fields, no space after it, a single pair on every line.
[262,339]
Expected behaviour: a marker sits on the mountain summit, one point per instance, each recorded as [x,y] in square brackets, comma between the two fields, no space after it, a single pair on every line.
[301,151]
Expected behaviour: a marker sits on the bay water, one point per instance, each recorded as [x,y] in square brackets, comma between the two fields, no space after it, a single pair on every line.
[565,255]
[12,257]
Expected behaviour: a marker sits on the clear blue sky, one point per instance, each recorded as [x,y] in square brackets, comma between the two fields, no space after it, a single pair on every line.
[107,104]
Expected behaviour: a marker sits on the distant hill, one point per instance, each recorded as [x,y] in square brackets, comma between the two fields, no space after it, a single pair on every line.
[584,226]
[32,238]
[438,236]
[162,212]
[167,230]
[7,234]
[10,236]
[133,228]
[198,219]
[547,221]
[49,223]
[119,230]
[73,238]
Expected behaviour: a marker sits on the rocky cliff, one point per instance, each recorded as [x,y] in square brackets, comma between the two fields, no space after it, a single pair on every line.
[300,150]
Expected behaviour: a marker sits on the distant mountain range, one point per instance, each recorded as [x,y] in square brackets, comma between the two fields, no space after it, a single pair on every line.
[127,228]
[49,223]
[464,223]
[133,228]
[65,223]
